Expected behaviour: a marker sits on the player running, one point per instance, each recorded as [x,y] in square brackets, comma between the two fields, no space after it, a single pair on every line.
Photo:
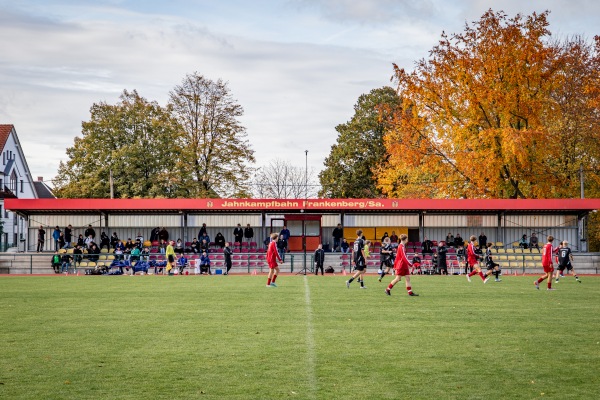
[547,264]
[386,258]
[492,267]
[401,266]
[272,258]
[565,257]
[358,257]
[473,260]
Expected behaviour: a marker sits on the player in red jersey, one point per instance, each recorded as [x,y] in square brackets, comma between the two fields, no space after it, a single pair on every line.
[473,260]
[272,258]
[547,252]
[401,266]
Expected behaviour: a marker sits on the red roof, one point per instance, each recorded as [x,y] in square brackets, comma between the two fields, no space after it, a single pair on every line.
[33,206]
[5,131]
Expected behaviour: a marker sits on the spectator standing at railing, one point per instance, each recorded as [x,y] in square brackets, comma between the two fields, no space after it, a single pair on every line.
[248,233]
[90,232]
[285,235]
[338,234]
[41,239]
[227,255]
[68,236]
[281,246]
[55,236]
[238,233]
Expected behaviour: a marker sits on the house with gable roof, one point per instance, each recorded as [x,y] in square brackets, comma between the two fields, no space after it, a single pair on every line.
[15,182]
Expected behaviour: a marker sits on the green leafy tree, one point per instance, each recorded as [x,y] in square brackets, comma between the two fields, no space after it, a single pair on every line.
[216,158]
[136,139]
[359,150]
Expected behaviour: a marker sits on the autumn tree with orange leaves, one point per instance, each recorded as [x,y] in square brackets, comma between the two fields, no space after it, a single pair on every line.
[497,111]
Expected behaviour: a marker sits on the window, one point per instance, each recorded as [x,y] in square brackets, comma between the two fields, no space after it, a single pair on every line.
[13,182]
[22,186]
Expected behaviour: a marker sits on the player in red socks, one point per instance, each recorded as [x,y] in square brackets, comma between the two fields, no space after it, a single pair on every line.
[547,252]
[272,258]
[473,260]
[401,266]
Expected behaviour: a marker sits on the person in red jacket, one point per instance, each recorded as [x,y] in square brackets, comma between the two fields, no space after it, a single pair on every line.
[272,258]
[547,252]
[401,266]
[473,260]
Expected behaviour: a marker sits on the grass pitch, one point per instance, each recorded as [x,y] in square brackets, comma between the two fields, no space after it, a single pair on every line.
[224,337]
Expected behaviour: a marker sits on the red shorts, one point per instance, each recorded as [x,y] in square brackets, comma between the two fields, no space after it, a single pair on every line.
[402,271]
[549,269]
[473,261]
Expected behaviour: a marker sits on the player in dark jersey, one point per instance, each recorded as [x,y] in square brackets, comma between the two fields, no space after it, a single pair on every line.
[358,258]
[565,257]
[492,267]
[386,258]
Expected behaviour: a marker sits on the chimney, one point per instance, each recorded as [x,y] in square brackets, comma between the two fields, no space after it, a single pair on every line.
[40,179]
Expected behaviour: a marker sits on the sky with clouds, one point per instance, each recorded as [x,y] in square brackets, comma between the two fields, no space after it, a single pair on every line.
[296,66]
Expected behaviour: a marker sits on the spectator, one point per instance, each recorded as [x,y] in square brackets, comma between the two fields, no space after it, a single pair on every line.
[195,246]
[205,264]
[205,238]
[77,255]
[416,265]
[458,241]
[385,235]
[179,247]
[345,246]
[427,246]
[450,239]
[55,236]
[204,246]
[220,240]
[523,242]
[162,247]
[442,265]
[114,239]
[145,254]
[68,236]
[90,231]
[135,255]
[129,245]
[281,246]
[285,234]
[154,235]
[533,242]
[248,233]
[163,235]
[394,237]
[202,232]
[65,262]
[482,240]
[119,251]
[41,239]
[104,241]
[319,259]
[93,253]
[56,262]
[182,263]
[338,234]
[89,241]
[139,239]
[460,256]
[227,255]
[61,240]
[238,233]
[81,241]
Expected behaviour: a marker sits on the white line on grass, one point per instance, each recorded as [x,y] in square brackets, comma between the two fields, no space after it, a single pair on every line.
[310,344]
